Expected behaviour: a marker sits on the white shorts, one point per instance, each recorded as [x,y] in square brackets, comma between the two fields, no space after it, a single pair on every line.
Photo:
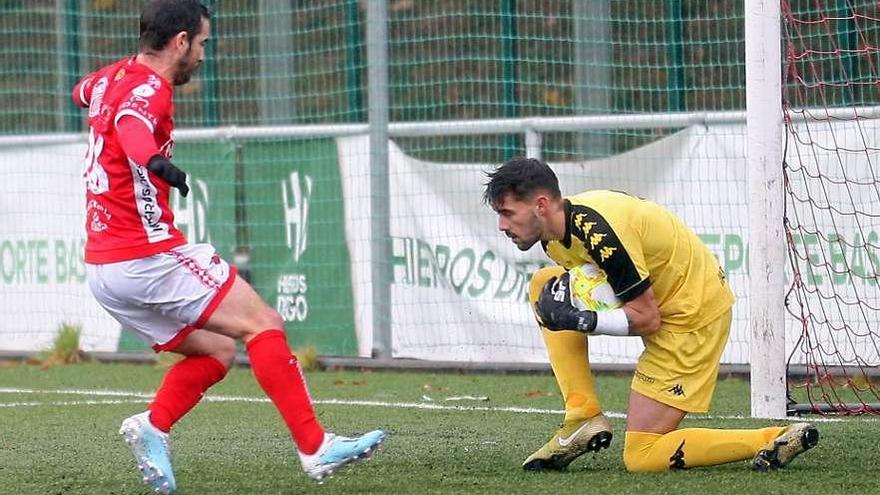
[163,297]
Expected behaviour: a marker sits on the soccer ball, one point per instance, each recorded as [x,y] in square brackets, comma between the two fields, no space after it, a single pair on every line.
[590,289]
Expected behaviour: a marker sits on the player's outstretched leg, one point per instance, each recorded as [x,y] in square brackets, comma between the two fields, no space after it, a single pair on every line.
[793,441]
[151,452]
[572,440]
[336,451]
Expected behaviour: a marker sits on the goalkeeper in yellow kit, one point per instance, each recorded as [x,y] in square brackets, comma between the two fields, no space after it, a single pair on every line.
[674,296]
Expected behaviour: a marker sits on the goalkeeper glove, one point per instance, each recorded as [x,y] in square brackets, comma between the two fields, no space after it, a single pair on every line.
[175,177]
[555,311]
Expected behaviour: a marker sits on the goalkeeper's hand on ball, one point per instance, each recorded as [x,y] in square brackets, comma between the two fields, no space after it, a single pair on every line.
[555,311]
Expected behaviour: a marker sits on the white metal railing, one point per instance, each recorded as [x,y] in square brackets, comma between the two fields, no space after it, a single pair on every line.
[528,126]
[523,125]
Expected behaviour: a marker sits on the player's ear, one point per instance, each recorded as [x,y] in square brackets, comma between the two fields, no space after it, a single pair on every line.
[542,203]
[181,40]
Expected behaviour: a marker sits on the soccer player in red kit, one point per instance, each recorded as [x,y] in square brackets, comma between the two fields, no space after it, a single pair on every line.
[177,296]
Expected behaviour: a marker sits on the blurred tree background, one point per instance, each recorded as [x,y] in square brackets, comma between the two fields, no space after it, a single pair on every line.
[278,62]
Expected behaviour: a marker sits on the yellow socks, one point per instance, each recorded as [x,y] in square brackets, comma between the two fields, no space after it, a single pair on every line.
[692,447]
[568,358]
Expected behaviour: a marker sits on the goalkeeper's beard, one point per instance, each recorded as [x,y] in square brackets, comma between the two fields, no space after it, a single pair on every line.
[524,244]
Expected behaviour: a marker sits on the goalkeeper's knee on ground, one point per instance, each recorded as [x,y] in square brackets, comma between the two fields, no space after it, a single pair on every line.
[638,455]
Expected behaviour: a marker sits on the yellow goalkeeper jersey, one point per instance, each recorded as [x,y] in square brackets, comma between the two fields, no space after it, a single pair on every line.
[640,244]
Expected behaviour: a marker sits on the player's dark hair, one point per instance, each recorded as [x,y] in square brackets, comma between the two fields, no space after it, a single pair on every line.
[161,20]
[521,177]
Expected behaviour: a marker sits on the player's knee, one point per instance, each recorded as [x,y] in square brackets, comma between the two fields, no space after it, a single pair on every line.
[269,319]
[638,463]
[265,319]
[637,454]
[225,353]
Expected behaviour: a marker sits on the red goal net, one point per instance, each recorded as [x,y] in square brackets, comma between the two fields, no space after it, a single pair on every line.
[831,102]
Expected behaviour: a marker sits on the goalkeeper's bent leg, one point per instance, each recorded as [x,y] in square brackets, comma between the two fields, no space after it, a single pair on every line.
[569,359]
[692,447]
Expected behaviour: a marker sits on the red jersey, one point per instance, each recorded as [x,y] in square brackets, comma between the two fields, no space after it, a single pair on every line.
[127,210]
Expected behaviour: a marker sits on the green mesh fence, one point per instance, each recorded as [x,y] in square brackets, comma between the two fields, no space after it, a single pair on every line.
[457,59]
[450,60]
[296,212]
[472,59]
[309,70]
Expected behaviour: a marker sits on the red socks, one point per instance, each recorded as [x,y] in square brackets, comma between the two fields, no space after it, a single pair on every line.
[278,373]
[182,389]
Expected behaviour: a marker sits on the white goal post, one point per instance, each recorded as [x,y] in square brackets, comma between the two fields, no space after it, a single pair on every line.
[766,240]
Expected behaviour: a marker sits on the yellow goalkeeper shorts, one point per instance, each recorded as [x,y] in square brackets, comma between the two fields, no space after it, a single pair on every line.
[680,368]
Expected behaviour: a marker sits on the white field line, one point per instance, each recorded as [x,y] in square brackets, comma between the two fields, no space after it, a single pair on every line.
[74,391]
[140,397]
[69,403]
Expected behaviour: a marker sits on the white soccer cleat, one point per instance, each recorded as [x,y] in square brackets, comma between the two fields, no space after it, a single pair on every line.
[149,445]
[337,451]
[792,442]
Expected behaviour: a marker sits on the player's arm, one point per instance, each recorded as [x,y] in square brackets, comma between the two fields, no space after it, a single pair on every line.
[640,314]
[619,254]
[82,91]
[643,314]
[136,119]
[139,145]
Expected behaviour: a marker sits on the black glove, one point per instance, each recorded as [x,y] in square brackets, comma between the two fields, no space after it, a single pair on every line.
[555,311]
[175,177]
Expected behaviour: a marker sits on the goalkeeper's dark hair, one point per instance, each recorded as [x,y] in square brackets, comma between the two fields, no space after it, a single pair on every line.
[522,178]
[161,20]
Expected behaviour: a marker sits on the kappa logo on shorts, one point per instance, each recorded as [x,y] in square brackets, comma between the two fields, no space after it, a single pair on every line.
[677,389]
